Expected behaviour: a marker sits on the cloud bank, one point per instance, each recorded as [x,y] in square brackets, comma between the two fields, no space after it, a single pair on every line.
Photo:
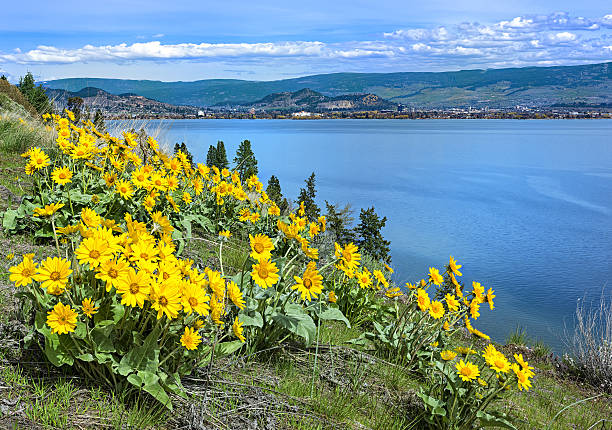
[557,38]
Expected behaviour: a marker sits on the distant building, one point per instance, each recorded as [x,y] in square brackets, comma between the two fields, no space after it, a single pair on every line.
[301,114]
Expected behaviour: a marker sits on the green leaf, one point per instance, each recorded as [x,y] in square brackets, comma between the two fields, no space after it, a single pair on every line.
[434,406]
[297,322]
[101,336]
[9,221]
[80,332]
[145,357]
[334,314]
[86,357]
[251,319]
[494,419]
[226,348]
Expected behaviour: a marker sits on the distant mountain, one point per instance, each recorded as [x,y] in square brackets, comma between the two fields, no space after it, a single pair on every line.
[309,100]
[126,104]
[532,86]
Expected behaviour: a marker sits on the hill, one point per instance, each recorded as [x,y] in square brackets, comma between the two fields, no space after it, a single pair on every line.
[532,86]
[307,99]
[118,104]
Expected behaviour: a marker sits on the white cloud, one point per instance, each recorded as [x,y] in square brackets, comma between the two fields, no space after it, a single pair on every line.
[565,36]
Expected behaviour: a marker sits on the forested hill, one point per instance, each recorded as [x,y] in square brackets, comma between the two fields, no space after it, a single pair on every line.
[532,86]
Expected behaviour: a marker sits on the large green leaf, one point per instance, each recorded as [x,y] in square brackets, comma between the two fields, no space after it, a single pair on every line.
[494,419]
[334,314]
[226,348]
[296,321]
[149,381]
[141,358]
[434,406]
[251,319]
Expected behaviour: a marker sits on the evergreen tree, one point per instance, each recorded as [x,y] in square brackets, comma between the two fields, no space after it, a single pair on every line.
[339,222]
[4,78]
[36,95]
[371,240]
[185,151]
[74,105]
[211,156]
[245,161]
[99,121]
[221,156]
[307,195]
[273,190]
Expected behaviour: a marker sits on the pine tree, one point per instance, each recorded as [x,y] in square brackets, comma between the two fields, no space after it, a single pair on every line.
[245,161]
[74,105]
[307,195]
[211,156]
[371,239]
[339,222]
[221,156]
[4,78]
[36,95]
[273,190]
[99,121]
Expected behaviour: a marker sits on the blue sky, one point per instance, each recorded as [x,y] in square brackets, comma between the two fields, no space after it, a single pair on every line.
[264,40]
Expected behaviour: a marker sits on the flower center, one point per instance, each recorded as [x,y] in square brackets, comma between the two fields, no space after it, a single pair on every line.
[54,276]
[193,301]
[94,253]
[259,248]
[26,273]
[134,288]
[163,301]
[144,255]
[62,175]
[61,319]
[466,371]
[113,273]
[347,255]
[263,272]
[307,283]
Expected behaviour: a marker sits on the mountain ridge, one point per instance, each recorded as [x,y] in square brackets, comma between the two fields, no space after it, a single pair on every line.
[533,86]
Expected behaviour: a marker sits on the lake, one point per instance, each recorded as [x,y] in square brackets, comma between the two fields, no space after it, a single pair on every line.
[525,206]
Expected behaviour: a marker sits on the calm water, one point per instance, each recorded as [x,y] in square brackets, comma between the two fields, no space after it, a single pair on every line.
[525,206]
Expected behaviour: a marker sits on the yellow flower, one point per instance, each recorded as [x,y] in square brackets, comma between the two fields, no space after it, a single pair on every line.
[110,178]
[265,273]
[451,302]
[331,297]
[190,339]
[410,286]
[524,365]
[225,233]
[48,210]
[61,175]
[166,299]
[187,198]
[363,278]
[394,292]
[482,382]
[237,329]
[422,299]
[381,278]
[274,210]
[465,350]
[499,363]
[454,267]
[467,371]
[90,218]
[522,378]
[235,295]
[448,355]
[134,288]
[436,309]
[23,273]
[348,255]
[124,188]
[309,285]
[261,247]
[93,251]
[38,159]
[88,307]
[478,291]
[53,273]
[434,276]
[388,268]
[112,272]
[10,256]
[490,297]
[474,308]
[194,298]
[62,319]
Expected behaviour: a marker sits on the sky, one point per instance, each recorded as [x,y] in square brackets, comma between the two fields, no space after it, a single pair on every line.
[268,40]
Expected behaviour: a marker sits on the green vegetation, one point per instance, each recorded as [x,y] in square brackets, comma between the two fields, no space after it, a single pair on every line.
[370,356]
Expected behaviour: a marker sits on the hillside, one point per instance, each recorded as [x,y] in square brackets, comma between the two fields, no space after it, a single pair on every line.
[307,99]
[118,105]
[532,86]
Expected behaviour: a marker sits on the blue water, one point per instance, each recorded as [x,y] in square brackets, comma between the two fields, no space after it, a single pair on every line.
[525,206]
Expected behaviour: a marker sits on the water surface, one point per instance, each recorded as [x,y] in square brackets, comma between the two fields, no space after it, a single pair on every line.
[525,206]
